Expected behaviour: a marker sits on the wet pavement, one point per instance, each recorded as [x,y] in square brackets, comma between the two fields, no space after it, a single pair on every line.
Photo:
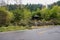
[52,33]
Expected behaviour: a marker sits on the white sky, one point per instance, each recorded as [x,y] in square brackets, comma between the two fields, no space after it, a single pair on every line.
[44,2]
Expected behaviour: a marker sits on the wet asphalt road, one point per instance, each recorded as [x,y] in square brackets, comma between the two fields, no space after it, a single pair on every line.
[52,33]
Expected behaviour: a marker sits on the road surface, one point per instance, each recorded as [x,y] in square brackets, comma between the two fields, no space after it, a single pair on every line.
[52,33]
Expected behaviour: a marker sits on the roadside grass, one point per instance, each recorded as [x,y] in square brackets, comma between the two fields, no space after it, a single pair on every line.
[40,26]
[12,28]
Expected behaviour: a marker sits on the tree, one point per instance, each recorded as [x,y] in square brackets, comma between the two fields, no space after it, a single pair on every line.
[5,17]
[45,13]
[17,16]
[58,3]
[55,14]
[26,16]
[12,7]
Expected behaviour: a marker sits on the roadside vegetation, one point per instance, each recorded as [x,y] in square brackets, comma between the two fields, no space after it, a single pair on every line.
[12,28]
[13,17]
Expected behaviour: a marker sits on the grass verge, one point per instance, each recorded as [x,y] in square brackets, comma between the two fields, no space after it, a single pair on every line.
[12,28]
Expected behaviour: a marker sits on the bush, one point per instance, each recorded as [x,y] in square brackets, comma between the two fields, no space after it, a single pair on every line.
[5,17]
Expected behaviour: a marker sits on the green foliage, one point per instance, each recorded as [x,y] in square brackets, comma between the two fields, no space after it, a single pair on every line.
[17,14]
[38,13]
[11,28]
[23,16]
[5,16]
[26,14]
[45,13]
[3,8]
[33,7]
[54,12]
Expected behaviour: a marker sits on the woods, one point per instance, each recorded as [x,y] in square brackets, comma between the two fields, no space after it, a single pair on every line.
[20,16]
[25,16]
[17,16]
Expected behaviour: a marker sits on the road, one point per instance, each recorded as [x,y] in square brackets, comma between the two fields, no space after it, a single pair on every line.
[52,33]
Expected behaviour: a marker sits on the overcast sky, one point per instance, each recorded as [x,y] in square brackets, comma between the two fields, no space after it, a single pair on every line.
[44,2]
[39,1]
